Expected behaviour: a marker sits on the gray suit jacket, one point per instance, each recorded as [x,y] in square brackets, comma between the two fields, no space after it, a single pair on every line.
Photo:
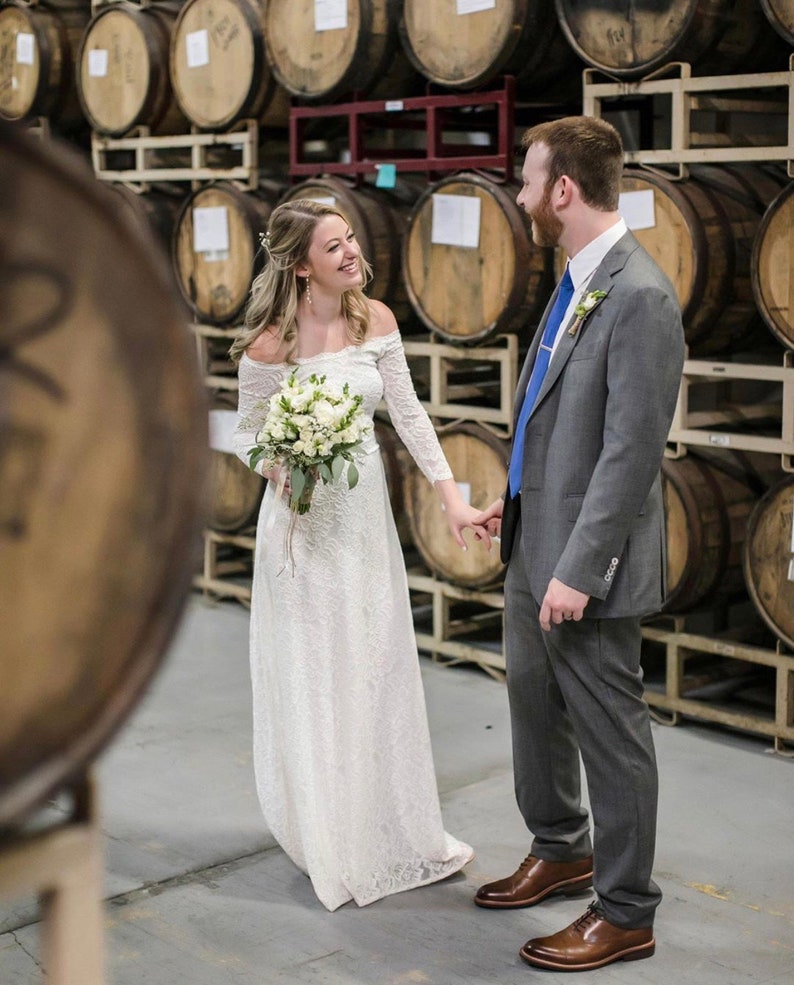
[591,498]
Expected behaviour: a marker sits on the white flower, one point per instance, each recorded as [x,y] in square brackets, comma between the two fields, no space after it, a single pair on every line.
[309,426]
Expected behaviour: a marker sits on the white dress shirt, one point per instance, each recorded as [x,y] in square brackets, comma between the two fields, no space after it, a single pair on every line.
[584,265]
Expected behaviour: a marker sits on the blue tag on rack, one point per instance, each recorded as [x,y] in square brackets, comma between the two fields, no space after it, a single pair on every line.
[387,176]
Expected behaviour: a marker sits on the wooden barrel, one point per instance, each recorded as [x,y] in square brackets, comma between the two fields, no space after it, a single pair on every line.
[469,263]
[478,460]
[102,469]
[155,210]
[707,508]
[216,251]
[325,51]
[464,46]
[236,491]
[123,81]
[397,463]
[629,40]
[219,68]
[769,559]
[701,232]
[39,46]
[780,14]
[771,267]
[379,220]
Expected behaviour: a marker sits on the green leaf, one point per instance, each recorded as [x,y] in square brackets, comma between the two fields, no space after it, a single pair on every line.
[325,472]
[352,476]
[255,455]
[297,481]
[336,466]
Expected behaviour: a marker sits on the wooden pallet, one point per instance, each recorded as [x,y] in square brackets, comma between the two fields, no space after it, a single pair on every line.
[177,157]
[682,646]
[489,403]
[451,622]
[228,566]
[765,96]
[62,865]
[212,345]
[699,428]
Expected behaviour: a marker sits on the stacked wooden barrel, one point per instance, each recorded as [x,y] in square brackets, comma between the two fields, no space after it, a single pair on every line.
[39,48]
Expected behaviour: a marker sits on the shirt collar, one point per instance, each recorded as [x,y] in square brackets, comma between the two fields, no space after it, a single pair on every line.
[584,264]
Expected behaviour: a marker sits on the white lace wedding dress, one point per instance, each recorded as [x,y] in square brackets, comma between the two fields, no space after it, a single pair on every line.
[342,754]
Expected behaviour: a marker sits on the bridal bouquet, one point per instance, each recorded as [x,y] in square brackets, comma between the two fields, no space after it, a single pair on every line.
[311,429]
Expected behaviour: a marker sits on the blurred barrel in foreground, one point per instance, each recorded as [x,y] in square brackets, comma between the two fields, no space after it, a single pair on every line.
[102,469]
[707,509]
[478,461]
[39,47]
[469,263]
[326,50]
[629,40]
[468,46]
[219,68]
[769,559]
[216,251]
[123,81]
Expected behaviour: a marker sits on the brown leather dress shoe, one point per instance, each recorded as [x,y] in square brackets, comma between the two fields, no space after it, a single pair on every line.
[534,880]
[589,942]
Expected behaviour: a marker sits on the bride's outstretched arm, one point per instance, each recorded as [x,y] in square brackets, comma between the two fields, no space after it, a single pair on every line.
[419,436]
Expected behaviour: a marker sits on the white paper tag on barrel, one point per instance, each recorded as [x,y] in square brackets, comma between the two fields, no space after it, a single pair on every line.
[330,15]
[197,46]
[211,232]
[98,63]
[223,424]
[473,6]
[638,209]
[456,221]
[26,48]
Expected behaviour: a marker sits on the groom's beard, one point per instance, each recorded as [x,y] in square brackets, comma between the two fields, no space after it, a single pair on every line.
[546,227]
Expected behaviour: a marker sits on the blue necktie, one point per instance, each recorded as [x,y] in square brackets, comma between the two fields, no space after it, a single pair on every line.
[542,360]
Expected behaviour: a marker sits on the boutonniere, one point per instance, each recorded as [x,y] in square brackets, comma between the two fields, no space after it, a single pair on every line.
[587,304]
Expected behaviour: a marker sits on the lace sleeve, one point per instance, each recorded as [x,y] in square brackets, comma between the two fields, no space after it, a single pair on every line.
[257,382]
[407,414]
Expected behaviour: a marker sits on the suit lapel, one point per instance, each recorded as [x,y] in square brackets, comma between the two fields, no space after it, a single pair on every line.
[601,280]
[529,361]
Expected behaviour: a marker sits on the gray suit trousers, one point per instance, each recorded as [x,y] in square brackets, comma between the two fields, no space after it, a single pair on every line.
[578,689]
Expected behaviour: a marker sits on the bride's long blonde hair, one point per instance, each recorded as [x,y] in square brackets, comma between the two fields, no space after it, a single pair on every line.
[276,291]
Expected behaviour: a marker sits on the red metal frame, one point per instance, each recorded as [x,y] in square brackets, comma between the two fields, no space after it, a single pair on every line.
[440,112]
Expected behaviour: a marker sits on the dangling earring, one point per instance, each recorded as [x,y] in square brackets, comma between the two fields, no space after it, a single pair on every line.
[308,290]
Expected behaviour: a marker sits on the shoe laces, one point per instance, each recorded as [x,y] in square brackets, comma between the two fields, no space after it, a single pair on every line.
[526,861]
[590,915]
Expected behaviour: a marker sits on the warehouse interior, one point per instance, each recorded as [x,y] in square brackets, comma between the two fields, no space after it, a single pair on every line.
[143,147]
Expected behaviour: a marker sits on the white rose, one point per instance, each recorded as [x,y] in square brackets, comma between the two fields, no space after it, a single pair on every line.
[324,412]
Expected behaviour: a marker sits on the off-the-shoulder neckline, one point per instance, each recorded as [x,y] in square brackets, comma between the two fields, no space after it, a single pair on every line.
[300,361]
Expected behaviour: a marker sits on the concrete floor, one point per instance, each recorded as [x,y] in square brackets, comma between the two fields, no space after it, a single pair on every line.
[198,894]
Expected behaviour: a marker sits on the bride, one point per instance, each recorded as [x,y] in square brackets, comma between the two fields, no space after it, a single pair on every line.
[342,755]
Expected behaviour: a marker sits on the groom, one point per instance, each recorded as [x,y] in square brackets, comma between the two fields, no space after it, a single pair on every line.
[582,531]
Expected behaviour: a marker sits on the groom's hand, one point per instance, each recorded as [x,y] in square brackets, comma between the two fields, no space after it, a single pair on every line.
[561,603]
[491,519]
